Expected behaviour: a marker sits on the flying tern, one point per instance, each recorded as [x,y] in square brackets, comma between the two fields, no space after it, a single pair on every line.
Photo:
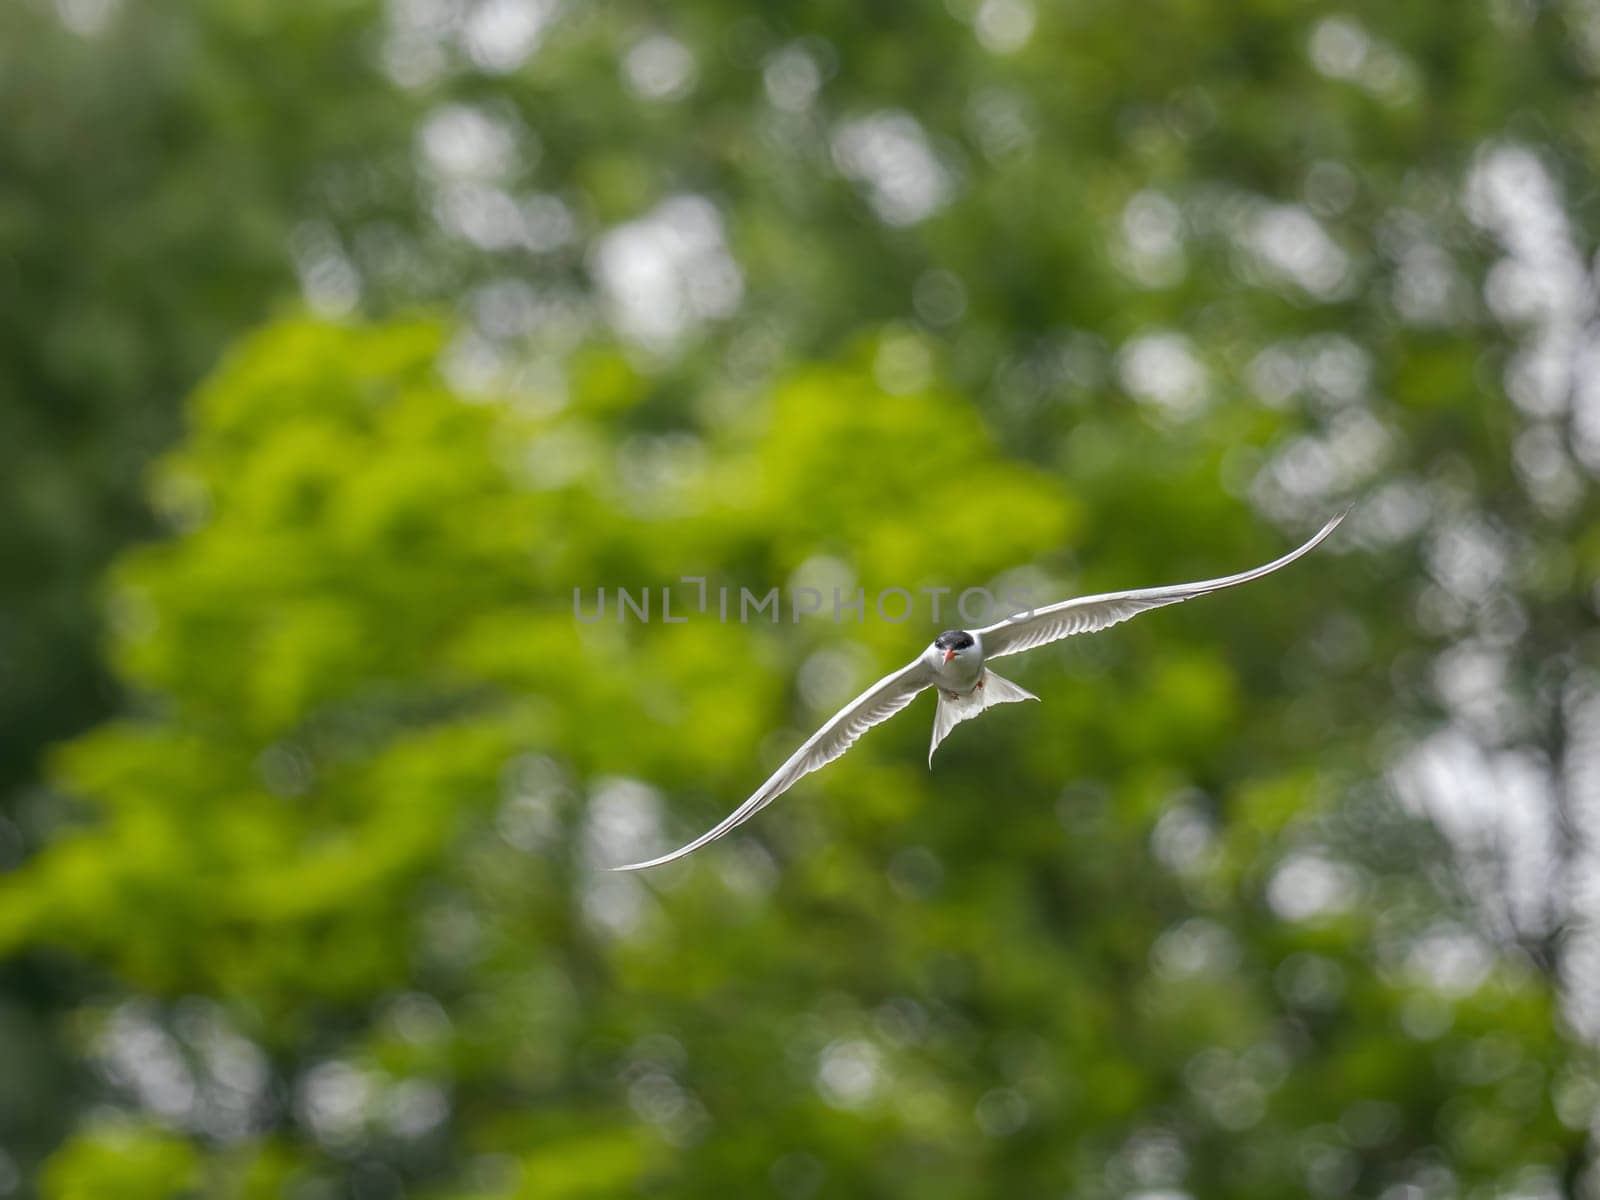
[955,664]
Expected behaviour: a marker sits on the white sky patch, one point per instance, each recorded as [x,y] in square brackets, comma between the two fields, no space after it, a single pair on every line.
[138,1054]
[335,1099]
[505,308]
[1276,375]
[668,272]
[1004,26]
[413,1107]
[548,223]
[473,365]
[622,825]
[1428,288]
[1151,1163]
[792,79]
[424,39]
[1583,20]
[492,219]
[482,214]
[1581,961]
[849,1073]
[830,676]
[500,35]
[1330,187]
[535,792]
[824,573]
[1542,286]
[613,904]
[1184,839]
[659,67]
[1291,244]
[1495,810]
[1544,466]
[1000,122]
[678,1115]
[1337,370]
[1341,48]
[1308,474]
[888,155]
[87,17]
[1471,678]
[416,39]
[1450,960]
[1541,280]
[1197,947]
[1162,370]
[329,280]
[463,142]
[1331,369]
[510,310]
[1307,886]
[1468,558]
[1151,246]
[470,154]
[1393,513]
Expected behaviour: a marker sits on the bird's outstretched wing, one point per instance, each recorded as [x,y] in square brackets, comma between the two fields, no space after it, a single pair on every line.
[1088,614]
[872,707]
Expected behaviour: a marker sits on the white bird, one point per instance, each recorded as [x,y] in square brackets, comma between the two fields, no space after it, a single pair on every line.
[955,663]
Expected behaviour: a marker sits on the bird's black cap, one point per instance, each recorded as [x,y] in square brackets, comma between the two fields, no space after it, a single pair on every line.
[953,639]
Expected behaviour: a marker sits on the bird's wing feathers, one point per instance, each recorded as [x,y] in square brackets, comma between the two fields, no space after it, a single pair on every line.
[1089,614]
[872,707]
[893,692]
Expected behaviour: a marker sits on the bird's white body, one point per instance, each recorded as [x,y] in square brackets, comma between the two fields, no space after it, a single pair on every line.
[955,665]
[961,674]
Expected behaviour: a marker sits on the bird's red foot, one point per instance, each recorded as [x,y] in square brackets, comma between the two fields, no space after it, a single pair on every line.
[980,685]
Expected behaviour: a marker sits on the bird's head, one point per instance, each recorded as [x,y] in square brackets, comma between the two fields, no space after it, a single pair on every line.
[951,645]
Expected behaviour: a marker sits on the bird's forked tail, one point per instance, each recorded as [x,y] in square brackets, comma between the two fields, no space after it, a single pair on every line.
[951,713]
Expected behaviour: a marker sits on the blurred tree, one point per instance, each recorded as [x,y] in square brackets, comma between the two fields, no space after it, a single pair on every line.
[1264,253]
[160,162]
[147,217]
[352,846]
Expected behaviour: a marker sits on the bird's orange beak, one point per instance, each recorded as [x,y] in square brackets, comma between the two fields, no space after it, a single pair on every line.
[949,654]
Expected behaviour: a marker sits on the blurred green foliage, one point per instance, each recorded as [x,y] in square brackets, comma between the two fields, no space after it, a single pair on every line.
[367,805]
[139,1164]
[1281,893]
